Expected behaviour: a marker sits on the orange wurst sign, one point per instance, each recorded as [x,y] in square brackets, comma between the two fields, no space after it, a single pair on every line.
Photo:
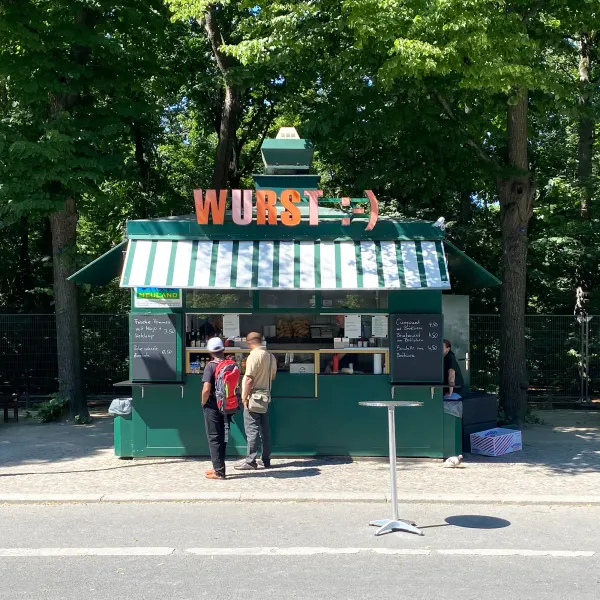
[210,207]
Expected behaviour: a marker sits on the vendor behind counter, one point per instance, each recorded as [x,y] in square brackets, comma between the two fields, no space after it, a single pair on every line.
[453,379]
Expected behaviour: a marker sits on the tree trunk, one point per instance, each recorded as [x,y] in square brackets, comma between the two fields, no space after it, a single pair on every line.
[466,207]
[235,173]
[141,158]
[143,169]
[63,224]
[586,126]
[231,103]
[585,155]
[516,191]
[224,154]
[24,279]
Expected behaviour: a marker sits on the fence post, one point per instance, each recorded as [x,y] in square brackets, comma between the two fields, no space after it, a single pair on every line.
[587,358]
[581,321]
[584,361]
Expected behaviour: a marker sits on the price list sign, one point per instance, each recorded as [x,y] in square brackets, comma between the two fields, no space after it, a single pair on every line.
[416,348]
[154,347]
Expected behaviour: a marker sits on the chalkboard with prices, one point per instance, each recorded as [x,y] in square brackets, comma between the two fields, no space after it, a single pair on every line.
[416,348]
[155,347]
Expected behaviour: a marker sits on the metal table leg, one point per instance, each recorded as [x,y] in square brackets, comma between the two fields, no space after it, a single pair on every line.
[394,524]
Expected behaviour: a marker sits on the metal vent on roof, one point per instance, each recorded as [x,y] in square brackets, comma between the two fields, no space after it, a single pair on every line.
[287,133]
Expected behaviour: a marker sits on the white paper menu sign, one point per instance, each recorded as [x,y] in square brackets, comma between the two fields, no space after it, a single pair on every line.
[231,325]
[379,326]
[352,328]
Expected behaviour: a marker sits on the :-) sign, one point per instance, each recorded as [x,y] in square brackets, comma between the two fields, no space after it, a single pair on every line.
[210,207]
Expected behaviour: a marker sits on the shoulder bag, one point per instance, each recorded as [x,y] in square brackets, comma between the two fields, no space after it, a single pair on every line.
[260,399]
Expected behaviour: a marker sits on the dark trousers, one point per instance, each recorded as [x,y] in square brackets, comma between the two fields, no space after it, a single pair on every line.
[257,426]
[214,422]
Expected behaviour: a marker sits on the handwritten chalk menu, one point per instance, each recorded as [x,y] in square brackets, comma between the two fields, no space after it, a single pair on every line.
[416,348]
[154,347]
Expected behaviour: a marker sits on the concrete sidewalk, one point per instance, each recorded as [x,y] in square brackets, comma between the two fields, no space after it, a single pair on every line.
[560,463]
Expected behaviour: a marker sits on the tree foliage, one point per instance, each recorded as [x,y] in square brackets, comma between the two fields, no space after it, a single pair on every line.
[481,111]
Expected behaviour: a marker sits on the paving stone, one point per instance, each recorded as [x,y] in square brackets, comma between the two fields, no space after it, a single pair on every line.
[560,458]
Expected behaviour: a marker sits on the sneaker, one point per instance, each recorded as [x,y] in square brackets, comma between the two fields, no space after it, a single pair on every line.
[244,466]
[266,464]
[213,475]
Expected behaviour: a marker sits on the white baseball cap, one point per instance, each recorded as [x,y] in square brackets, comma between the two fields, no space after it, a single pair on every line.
[215,345]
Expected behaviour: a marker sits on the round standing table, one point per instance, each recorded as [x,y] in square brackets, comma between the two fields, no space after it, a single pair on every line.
[395,523]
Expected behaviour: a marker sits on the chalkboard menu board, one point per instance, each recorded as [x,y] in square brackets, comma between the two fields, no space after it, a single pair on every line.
[416,348]
[154,347]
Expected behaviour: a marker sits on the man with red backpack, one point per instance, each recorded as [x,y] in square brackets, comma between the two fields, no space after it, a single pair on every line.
[220,400]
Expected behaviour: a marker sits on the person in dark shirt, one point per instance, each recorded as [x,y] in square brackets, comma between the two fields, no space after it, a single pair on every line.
[452,374]
[214,420]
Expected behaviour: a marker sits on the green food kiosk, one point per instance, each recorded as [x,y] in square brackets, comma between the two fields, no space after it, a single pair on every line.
[350,303]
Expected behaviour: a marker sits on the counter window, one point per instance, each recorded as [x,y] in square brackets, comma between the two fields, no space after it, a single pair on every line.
[296,362]
[198,359]
[299,363]
[200,328]
[295,299]
[210,299]
[354,300]
[355,362]
[291,327]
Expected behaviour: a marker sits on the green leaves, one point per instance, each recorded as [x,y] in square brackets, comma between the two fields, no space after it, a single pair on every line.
[407,97]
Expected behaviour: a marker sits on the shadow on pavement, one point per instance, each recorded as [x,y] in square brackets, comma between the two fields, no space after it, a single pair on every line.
[125,465]
[313,462]
[274,474]
[471,522]
[477,522]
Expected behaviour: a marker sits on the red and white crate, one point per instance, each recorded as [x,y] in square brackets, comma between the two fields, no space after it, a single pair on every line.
[496,442]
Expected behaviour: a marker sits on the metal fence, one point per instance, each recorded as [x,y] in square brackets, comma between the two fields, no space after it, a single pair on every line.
[563,355]
[28,352]
[560,350]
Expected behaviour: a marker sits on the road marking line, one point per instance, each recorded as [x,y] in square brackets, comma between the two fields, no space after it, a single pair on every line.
[509,552]
[299,551]
[269,551]
[406,551]
[284,551]
[59,552]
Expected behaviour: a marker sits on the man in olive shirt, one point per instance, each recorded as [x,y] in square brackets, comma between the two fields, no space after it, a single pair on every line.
[261,368]
[452,374]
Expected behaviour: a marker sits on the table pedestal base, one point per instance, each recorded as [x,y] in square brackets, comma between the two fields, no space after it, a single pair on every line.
[393,524]
[388,525]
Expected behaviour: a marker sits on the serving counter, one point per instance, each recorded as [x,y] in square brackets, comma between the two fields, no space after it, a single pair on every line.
[298,370]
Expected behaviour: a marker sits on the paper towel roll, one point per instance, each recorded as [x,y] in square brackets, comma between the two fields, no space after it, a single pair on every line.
[377,370]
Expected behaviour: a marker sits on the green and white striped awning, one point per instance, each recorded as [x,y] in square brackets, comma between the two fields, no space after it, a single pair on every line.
[286,265]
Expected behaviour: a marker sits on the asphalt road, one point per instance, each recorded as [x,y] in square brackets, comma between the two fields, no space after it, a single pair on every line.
[296,551]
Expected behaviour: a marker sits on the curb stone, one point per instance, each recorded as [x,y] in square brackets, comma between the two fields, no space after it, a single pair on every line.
[325,497]
[523,500]
[174,497]
[50,498]
[311,497]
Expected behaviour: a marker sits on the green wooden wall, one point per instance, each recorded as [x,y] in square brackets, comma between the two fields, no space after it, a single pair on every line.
[165,424]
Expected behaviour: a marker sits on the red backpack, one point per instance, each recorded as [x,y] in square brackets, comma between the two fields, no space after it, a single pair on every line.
[227,392]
